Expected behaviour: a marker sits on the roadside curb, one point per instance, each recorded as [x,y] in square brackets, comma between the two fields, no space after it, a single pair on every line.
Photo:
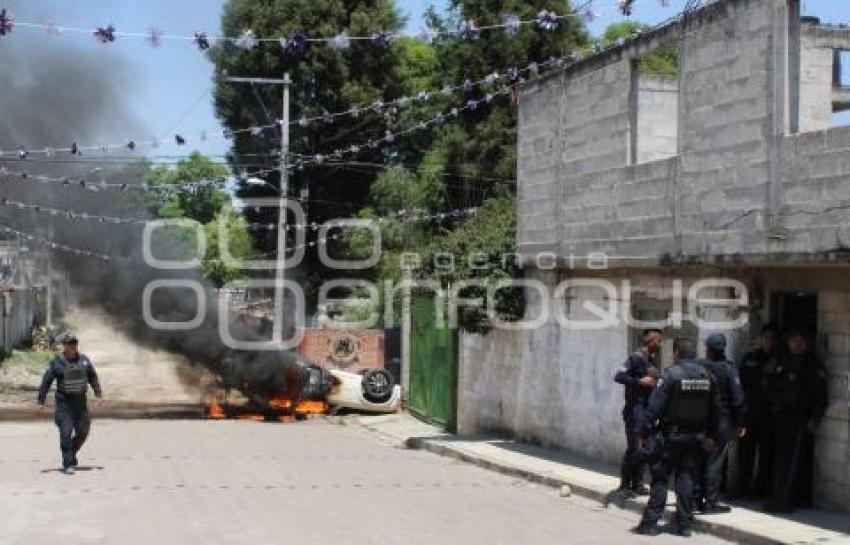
[723,531]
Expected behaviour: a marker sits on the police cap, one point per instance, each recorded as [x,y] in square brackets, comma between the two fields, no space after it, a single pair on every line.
[716,342]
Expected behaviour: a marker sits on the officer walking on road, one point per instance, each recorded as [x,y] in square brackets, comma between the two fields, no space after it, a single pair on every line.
[713,467]
[685,406]
[638,375]
[73,373]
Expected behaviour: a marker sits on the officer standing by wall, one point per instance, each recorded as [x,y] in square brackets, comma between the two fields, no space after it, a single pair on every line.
[754,366]
[73,372]
[798,401]
[713,467]
[685,406]
[639,375]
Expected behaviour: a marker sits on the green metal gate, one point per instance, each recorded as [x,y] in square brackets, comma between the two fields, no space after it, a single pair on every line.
[433,369]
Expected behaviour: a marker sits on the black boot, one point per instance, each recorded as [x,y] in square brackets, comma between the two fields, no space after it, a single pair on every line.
[647,529]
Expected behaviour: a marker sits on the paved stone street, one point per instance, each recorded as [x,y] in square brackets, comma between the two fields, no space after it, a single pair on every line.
[177,482]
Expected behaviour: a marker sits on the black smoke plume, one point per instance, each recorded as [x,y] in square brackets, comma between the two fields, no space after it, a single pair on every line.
[53,93]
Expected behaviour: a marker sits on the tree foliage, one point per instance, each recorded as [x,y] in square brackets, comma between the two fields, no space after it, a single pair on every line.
[206,205]
[663,61]
[483,250]
[470,161]
[325,79]
[200,204]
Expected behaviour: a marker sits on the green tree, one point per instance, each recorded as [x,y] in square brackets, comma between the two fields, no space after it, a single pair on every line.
[240,244]
[483,249]
[472,161]
[200,204]
[662,61]
[206,205]
[483,154]
[325,79]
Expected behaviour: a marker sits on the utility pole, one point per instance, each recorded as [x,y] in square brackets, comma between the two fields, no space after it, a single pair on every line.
[280,269]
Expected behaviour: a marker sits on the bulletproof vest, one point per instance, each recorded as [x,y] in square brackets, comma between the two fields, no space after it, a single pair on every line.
[74,376]
[689,405]
[722,373]
[789,385]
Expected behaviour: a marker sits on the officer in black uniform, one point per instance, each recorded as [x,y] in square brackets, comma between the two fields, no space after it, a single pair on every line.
[73,372]
[638,374]
[685,406]
[754,367]
[798,400]
[713,466]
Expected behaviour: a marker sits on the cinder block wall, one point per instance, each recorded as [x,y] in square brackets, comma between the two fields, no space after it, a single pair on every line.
[832,487]
[731,190]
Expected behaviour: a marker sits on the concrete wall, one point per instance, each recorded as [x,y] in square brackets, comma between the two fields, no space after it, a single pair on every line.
[553,144]
[816,66]
[18,310]
[819,96]
[725,196]
[549,385]
[554,385]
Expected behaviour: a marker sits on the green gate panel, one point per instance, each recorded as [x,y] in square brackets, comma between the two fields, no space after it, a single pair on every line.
[433,369]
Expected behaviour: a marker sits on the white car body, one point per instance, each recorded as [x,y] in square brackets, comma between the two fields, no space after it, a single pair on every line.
[348,394]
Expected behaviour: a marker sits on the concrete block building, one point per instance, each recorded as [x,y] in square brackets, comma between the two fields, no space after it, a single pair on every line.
[728,170]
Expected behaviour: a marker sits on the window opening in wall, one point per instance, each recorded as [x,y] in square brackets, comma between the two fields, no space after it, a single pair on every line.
[798,311]
[842,68]
[654,105]
[841,93]
[647,309]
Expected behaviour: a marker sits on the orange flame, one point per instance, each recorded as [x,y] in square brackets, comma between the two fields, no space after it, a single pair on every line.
[216,411]
[251,417]
[310,406]
[302,409]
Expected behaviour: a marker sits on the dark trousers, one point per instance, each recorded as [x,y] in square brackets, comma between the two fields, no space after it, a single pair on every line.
[632,467]
[766,440]
[712,473]
[793,454]
[680,458]
[73,421]
[745,462]
[805,475]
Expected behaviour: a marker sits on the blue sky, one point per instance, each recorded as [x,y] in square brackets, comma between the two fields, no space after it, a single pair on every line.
[172,83]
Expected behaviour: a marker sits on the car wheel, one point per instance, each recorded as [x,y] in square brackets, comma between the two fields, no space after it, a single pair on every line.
[377,385]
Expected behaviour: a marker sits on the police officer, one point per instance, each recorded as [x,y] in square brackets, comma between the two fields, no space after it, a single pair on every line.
[73,373]
[713,466]
[754,367]
[798,400]
[638,374]
[685,406]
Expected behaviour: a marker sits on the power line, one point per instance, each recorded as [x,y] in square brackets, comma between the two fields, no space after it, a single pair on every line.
[545,20]
[55,245]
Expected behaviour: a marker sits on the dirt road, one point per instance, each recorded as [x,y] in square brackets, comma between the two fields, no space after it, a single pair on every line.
[135,379]
[129,372]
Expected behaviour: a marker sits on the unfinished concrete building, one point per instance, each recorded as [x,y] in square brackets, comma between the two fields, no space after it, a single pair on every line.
[727,169]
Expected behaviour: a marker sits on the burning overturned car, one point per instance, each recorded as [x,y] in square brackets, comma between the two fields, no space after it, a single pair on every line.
[298,388]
